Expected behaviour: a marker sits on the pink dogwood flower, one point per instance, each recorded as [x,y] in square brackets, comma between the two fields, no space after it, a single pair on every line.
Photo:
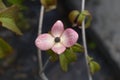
[58,40]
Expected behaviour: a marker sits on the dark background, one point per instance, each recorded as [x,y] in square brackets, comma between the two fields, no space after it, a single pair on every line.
[25,64]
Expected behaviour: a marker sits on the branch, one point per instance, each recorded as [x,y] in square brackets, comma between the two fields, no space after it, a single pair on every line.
[84,42]
[42,75]
[45,65]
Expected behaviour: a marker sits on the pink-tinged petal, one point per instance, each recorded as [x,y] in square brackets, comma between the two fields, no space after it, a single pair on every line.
[44,41]
[57,29]
[58,48]
[69,37]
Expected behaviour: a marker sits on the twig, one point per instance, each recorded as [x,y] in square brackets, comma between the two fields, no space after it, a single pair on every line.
[45,65]
[84,42]
[42,75]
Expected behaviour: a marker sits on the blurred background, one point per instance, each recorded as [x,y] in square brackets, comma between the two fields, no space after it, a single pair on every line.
[102,38]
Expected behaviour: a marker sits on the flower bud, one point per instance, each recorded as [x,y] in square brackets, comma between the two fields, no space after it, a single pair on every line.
[73,15]
[77,17]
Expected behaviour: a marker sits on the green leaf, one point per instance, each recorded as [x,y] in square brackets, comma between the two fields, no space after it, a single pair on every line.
[2,6]
[5,49]
[54,56]
[10,24]
[77,48]
[8,17]
[89,58]
[85,15]
[18,3]
[63,62]
[49,4]
[66,58]
[94,67]
[73,15]
[10,12]
[70,55]
[15,1]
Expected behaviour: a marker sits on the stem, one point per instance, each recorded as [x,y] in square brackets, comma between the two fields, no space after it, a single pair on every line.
[84,42]
[42,75]
[45,65]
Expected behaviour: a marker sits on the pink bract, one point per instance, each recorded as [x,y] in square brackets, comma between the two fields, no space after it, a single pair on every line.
[65,38]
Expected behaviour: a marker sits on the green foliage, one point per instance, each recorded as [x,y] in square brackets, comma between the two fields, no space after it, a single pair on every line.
[94,66]
[18,3]
[10,24]
[21,20]
[2,6]
[8,17]
[67,57]
[5,49]
[85,15]
[10,12]
[54,56]
[49,4]
[15,1]
[76,17]
[77,48]
[70,55]
[63,62]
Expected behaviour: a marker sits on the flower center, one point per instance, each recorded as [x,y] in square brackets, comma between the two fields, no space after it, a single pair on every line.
[57,39]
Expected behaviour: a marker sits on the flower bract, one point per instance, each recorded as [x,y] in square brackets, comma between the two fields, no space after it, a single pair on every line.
[58,39]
